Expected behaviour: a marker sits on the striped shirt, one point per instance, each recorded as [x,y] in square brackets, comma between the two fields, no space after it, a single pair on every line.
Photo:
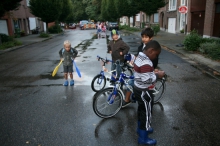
[144,75]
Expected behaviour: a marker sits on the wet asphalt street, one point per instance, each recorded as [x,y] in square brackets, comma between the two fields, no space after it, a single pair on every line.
[36,110]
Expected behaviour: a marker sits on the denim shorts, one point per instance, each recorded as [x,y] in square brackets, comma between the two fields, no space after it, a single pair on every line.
[68,69]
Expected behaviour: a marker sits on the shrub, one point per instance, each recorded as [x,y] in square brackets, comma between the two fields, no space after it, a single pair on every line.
[44,35]
[210,40]
[9,44]
[212,49]
[182,31]
[192,41]
[156,28]
[126,27]
[55,29]
[5,38]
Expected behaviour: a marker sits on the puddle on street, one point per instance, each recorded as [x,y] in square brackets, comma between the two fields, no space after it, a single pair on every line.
[49,76]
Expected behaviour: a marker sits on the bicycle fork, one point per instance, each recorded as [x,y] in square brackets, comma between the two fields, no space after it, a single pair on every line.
[112,96]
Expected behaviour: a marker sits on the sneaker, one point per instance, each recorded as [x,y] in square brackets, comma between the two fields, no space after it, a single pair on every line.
[124,104]
[65,83]
[71,82]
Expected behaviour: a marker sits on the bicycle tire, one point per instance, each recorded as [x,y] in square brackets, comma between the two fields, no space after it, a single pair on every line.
[160,88]
[98,81]
[102,108]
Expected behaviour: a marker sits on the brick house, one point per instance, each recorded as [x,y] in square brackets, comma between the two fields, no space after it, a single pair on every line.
[20,19]
[202,15]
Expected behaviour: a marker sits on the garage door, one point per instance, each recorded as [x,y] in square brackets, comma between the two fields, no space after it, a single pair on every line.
[172,25]
[3,27]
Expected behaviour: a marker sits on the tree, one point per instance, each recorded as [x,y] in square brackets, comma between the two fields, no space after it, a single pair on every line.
[111,10]
[126,8]
[104,12]
[150,6]
[8,5]
[79,10]
[67,12]
[47,10]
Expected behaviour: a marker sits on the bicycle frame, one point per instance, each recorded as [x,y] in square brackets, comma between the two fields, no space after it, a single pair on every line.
[117,87]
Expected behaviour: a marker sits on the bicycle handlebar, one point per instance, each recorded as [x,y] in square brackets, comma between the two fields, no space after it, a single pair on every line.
[103,60]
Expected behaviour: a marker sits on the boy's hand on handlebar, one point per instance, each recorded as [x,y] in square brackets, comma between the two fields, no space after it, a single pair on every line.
[121,53]
[110,52]
[160,73]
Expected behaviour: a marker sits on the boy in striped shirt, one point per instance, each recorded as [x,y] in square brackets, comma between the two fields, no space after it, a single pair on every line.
[144,78]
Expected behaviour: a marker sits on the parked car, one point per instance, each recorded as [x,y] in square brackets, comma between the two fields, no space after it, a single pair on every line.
[112,25]
[82,22]
[72,26]
[89,25]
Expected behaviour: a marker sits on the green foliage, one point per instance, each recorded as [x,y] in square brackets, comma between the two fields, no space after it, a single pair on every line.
[212,49]
[156,28]
[126,8]
[111,10]
[10,44]
[44,35]
[55,29]
[126,27]
[104,12]
[150,6]
[67,12]
[5,38]
[47,10]
[79,12]
[8,5]
[192,41]
[210,40]
[182,31]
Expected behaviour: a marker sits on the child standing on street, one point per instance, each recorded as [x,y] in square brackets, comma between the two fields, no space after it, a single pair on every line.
[67,55]
[117,48]
[144,77]
[146,36]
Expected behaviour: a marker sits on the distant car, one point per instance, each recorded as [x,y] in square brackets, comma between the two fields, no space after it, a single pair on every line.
[72,26]
[90,25]
[112,25]
[82,22]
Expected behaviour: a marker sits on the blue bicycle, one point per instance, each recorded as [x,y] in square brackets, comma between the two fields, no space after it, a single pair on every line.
[99,81]
[108,102]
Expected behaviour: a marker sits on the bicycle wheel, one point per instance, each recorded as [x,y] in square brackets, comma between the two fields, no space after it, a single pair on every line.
[159,90]
[101,105]
[98,83]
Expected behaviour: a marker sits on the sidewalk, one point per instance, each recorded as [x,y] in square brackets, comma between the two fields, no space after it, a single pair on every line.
[173,42]
[28,40]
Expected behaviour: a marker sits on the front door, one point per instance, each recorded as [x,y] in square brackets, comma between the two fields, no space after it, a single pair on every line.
[172,25]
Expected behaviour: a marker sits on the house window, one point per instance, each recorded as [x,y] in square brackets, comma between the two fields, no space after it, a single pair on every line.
[217,8]
[156,20]
[138,17]
[183,2]
[172,5]
[28,3]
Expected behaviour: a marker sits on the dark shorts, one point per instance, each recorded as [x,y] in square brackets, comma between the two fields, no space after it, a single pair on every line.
[68,69]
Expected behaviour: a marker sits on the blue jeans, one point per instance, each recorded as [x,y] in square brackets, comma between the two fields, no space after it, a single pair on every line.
[117,67]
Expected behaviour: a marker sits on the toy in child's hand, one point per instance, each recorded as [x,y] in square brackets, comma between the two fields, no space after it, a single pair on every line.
[56,68]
